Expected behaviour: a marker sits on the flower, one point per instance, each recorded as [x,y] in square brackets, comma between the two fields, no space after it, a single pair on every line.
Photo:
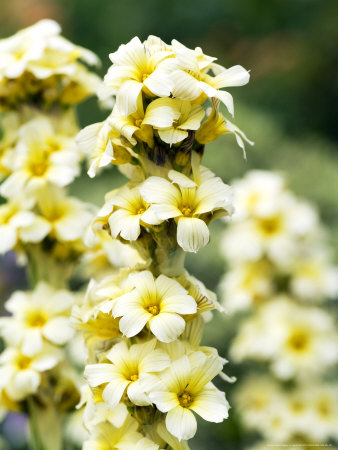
[173,118]
[43,155]
[217,125]
[137,67]
[68,217]
[126,367]
[185,387]
[129,212]
[103,145]
[46,66]
[159,303]
[18,223]
[195,84]
[189,203]
[37,315]
[105,436]
[301,340]
[20,375]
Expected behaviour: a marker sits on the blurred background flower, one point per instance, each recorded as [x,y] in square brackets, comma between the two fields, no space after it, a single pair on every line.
[288,109]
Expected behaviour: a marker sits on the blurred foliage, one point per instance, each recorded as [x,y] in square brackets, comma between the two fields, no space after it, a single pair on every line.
[289,107]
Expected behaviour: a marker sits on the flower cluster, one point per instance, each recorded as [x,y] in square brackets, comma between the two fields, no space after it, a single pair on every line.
[280,269]
[40,77]
[40,67]
[147,371]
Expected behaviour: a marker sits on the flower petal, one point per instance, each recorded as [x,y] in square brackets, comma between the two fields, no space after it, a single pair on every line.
[181,423]
[166,326]
[192,234]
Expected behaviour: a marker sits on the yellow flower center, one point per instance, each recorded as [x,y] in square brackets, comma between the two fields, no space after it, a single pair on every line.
[270,225]
[134,377]
[186,211]
[140,211]
[323,408]
[23,362]
[185,399]
[53,146]
[145,76]
[138,123]
[298,341]
[38,168]
[36,319]
[153,309]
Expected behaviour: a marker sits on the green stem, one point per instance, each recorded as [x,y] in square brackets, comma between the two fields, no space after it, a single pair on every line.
[45,427]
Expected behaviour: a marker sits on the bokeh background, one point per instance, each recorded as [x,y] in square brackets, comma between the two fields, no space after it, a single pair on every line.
[289,109]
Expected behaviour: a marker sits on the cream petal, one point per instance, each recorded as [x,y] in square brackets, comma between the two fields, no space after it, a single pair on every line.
[71,227]
[185,86]
[8,238]
[14,184]
[35,232]
[155,361]
[58,330]
[181,423]
[172,135]
[164,401]
[144,283]
[126,100]
[192,234]
[159,190]
[86,139]
[123,223]
[136,394]
[22,218]
[165,212]
[234,76]
[48,359]
[181,179]
[133,322]
[26,382]
[205,373]
[166,326]
[227,99]
[181,304]
[97,374]
[32,342]
[178,375]
[167,287]
[193,122]
[211,405]
[161,113]
[113,392]
[159,83]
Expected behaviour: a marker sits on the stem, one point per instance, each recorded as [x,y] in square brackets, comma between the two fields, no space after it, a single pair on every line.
[45,427]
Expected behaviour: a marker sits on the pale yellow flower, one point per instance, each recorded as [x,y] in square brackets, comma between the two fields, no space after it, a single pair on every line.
[158,303]
[189,203]
[173,118]
[195,84]
[105,436]
[20,375]
[43,155]
[132,127]
[68,217]
[217,125]
[129,212]
[137,67]
[125,370]
[19,224]
[184,388]
[39,315]
[103,145]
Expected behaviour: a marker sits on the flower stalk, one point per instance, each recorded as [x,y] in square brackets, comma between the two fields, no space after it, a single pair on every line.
[152,372]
